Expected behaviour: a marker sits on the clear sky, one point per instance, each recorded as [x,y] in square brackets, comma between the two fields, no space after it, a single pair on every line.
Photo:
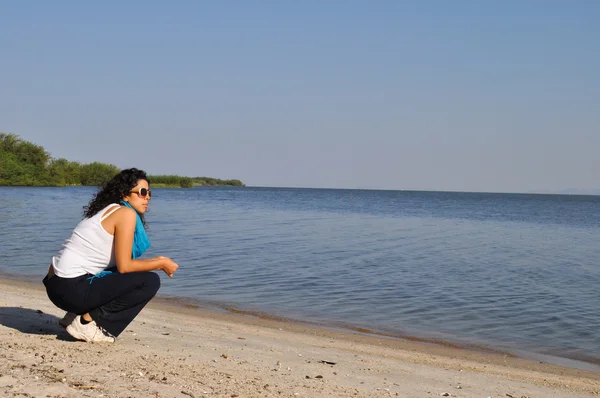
[437,95]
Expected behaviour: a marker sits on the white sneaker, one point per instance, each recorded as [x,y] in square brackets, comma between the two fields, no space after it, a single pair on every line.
[67,319]
[89,332]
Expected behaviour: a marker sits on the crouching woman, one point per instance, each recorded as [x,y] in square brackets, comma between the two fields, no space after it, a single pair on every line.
[96,276]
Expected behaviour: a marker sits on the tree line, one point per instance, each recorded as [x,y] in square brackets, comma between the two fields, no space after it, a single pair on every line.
[23,163]
[188,182]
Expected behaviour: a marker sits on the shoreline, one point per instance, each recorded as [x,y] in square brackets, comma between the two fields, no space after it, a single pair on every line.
[194,305]
[175,350]
[231,313]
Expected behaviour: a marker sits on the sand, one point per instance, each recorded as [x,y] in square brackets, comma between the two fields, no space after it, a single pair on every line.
[173,351]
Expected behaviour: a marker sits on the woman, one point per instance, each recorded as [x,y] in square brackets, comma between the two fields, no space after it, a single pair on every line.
[97,276]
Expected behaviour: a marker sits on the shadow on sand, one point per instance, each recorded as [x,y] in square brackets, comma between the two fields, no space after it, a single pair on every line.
[30,321]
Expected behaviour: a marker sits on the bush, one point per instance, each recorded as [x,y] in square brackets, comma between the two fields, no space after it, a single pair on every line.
[24,163]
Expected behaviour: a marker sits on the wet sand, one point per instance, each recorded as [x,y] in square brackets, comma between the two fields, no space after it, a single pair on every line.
[179,351]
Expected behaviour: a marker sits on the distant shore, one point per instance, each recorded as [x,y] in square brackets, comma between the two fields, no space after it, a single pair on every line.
[158,185]
[174,350]
[26,164]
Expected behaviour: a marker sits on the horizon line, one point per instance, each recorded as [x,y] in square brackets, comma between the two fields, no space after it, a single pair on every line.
[557,193]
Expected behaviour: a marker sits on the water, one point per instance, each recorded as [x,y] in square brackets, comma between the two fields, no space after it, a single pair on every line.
[506,271]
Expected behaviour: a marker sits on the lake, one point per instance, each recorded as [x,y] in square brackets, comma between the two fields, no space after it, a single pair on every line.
[512,272]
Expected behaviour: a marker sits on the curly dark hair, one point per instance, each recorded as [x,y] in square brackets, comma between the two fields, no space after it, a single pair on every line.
[114,190]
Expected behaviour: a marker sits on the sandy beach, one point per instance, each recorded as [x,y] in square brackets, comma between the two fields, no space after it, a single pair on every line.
[174,351]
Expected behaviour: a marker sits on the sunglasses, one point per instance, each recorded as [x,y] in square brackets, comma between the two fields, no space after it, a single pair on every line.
[143,193]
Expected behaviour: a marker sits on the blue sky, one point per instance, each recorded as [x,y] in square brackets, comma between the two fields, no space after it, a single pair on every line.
[499,96]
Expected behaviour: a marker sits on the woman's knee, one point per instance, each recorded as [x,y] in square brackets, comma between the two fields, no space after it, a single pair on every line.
[152,282]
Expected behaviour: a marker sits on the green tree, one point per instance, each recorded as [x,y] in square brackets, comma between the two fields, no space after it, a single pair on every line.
[186,182]
[28,164]
[96,174]
[63,172]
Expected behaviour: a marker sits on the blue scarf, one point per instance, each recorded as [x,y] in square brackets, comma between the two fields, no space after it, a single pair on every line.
[141,243]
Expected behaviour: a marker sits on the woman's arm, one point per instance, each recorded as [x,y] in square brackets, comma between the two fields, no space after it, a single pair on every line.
[125,221]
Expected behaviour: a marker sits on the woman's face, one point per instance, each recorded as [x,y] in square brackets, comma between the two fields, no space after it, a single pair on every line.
[139,196]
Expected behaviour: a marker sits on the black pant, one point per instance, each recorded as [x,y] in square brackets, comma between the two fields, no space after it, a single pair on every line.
[113,300]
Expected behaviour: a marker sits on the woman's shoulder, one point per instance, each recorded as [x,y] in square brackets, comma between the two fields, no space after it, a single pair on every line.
[124,211]
[112,205]
[118,215]
[108,209]
[114,209]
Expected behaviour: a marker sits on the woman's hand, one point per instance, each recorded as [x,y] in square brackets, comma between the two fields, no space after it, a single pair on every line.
[169,266]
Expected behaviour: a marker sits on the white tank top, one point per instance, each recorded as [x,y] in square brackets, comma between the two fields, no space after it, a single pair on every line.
[89,249]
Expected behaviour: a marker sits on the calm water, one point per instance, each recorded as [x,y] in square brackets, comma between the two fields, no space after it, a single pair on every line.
[513,272]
